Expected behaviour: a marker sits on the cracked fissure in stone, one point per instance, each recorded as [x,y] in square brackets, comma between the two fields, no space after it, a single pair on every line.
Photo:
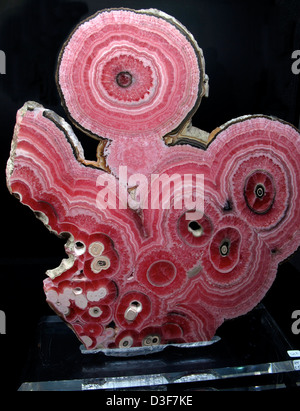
[144,276]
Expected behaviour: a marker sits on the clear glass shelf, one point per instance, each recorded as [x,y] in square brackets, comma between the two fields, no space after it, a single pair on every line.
[250,353]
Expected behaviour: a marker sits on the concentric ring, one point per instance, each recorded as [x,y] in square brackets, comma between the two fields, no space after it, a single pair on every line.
[163,66]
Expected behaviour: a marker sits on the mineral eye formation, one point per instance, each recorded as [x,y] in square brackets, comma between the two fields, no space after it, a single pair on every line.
[150,260]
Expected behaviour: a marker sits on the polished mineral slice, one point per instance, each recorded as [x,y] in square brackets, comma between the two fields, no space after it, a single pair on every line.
[125,73]
[131,77]
[135,273]
[164,240]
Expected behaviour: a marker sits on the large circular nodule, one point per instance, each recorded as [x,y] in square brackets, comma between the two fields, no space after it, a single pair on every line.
[126,73]
[161,273]
[262,195]
[259,192]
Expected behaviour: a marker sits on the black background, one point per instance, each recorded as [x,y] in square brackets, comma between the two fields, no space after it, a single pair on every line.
[247,48]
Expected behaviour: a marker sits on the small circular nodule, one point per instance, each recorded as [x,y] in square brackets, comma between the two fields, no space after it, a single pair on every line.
[132,311]
[151,340]
[124,79]
[224,248]
[96,248]
[126,342]
[259,191]
[130,314]
[100,263]
[95,312]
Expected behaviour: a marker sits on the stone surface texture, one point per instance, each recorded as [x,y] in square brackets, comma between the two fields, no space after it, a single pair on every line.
[142,269]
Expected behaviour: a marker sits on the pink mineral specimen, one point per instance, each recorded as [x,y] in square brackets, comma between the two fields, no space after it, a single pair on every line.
[149,261]
[131,77]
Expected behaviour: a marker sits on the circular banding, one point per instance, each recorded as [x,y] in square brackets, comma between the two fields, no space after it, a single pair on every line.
[126,342]
[129,73]
[225,249]
[103,291]
[259,192]
[100,314]
[261,176]
[124,79]
[88,333]
[126,339]
[261,195]
[151,335]
[126,72]
[171,331]
[96,248]
[95,312]
[97,294]
[151,340]
[103,257]
[161,273]
[100,263]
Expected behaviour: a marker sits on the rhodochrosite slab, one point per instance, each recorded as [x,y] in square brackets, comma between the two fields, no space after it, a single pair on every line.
[125,73]
[147,263]
[132,77]
[145,276]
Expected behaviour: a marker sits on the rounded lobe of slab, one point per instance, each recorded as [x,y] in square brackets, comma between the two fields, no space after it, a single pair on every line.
[259,170]
[125,73]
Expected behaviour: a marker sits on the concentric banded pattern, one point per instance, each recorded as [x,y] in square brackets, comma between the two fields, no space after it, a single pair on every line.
[129,73]
[259,170]
[152,276]
[259,192]
[165,272]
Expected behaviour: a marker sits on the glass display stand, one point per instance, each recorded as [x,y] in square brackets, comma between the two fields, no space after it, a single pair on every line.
[250,353]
